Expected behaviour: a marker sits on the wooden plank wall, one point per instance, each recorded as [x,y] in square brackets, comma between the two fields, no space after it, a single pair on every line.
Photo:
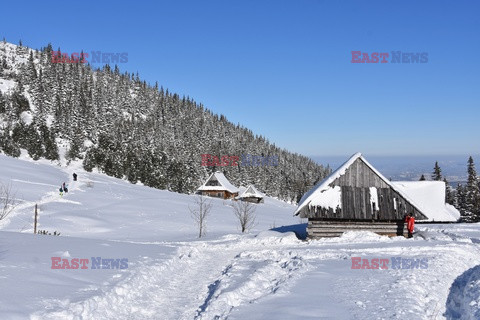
[319,229]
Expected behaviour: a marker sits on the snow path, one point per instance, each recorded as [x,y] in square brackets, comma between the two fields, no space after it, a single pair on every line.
[49,197]
[203,280]
[211,279]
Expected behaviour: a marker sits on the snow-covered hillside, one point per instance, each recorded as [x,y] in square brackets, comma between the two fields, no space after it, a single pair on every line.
[102,207]
[171,274]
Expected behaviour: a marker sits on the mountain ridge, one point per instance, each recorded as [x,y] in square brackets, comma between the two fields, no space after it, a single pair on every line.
[128,129]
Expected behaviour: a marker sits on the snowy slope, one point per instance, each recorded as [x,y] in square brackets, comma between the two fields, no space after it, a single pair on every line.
[173,275]
[99,206]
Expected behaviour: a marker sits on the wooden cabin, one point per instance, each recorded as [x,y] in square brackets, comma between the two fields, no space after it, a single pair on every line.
[217,185]
[358,197]
[251,194]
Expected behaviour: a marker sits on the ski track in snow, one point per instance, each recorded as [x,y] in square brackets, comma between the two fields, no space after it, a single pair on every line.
[209,279]
[203,280]
[50,197]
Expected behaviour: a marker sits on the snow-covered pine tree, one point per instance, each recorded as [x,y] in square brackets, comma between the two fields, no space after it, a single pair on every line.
[460,202]
[472,198]
[48,140]
[449,198]
[437,172]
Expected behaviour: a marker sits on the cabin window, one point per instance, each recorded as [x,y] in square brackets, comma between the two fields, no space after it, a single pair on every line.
[212,183]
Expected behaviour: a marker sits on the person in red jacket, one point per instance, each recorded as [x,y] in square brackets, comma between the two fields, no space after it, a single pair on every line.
[410,220]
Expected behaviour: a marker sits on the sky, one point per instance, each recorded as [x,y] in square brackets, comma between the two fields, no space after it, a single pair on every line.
[283,68]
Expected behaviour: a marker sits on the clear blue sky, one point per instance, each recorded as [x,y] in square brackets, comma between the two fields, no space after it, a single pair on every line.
[282,68]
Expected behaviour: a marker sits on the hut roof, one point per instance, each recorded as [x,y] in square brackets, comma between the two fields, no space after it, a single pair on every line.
[222,185]
[430,197]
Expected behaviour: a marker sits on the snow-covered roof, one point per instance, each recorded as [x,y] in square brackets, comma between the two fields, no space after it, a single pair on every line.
[317,196]
[224,184]
[429,196]
[251,191]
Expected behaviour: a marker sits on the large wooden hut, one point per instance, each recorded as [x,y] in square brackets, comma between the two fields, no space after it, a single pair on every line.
[358,197]
[217,185]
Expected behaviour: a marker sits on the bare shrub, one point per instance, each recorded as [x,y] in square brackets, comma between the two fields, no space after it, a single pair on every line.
[245,213]
[7,200]
[200,212]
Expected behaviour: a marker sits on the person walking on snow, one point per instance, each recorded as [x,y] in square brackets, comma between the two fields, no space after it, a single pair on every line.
[74,176]
[65,188]
[410,220]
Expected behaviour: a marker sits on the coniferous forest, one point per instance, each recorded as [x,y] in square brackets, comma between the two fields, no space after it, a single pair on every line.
[114,121]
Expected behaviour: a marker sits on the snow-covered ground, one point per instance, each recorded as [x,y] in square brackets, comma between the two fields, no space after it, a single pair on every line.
[171,274]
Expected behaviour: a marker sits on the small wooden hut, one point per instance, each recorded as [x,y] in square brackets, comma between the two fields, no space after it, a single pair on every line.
[358,197]
[217,185]
[251,194]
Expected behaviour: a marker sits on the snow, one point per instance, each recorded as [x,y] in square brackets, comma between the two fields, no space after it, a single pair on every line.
[429,196]
[464,298]
[373,197]
[330,198]
[49,120]
[171,274]
[26,117]
[224,183]
[6,85]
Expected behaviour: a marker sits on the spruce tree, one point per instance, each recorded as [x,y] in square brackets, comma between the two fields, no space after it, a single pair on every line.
[472,201]
[9,147]
[422,178]
[437,172]
[3,103]
[460,202]
[48,139]
[89,160]
[448,193]
[76,145]
[34,144]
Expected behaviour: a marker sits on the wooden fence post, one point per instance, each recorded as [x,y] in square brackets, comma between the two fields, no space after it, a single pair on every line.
[36,217]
